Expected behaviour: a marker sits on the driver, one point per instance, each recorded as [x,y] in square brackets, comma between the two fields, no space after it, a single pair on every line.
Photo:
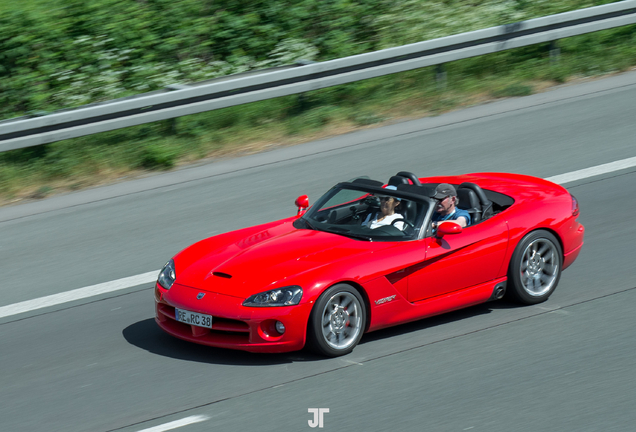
[387,213]
[446,207]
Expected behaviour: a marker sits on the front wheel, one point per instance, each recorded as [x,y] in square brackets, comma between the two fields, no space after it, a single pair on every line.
[535,268]
[337,321]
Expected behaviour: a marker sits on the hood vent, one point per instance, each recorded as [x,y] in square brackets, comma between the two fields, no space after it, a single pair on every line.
[223,275]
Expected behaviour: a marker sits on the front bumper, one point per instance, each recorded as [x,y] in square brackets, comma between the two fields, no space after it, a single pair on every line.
[233,326]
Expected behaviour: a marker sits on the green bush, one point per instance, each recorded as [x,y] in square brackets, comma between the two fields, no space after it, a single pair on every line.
[312,119]
[93,50]
[154,156]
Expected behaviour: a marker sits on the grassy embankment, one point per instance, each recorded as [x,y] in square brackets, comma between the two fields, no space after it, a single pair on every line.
[78,163]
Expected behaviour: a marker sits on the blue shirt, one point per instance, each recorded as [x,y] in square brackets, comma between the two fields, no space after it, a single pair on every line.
[437,217]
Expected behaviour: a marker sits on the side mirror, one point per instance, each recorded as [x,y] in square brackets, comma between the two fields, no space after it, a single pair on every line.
[448,227]
[302,202]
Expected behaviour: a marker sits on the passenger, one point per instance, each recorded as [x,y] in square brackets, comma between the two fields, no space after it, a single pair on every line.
[387,213]
[446,207]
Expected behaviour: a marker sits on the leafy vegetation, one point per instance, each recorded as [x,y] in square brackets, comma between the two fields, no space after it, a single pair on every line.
[57,55]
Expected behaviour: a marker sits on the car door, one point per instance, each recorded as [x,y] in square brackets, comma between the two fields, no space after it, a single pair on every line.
[459,261]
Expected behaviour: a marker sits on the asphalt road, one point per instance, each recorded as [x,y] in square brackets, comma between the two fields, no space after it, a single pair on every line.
[101,364]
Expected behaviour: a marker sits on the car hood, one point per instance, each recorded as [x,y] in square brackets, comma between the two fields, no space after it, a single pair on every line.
[268,259]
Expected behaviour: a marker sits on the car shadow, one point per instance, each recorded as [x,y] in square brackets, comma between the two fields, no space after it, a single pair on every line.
[148,336]
[435,321]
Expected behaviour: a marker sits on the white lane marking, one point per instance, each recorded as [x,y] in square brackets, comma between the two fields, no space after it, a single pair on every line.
[119,284]
[77,294]
[177,423]
[352,362]
[593,171]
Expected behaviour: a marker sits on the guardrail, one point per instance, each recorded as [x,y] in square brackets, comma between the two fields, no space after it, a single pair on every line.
[260,85]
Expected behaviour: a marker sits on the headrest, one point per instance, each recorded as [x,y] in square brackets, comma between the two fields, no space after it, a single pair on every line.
[398,180]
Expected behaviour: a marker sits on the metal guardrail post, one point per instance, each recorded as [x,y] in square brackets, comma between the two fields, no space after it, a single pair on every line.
[555,51]
[440,76]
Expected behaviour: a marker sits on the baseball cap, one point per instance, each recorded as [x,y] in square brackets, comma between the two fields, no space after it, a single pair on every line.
[443,190]
[390,187]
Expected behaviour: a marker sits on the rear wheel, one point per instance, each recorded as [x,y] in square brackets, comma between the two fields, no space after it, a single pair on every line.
[535,268]
[337,321]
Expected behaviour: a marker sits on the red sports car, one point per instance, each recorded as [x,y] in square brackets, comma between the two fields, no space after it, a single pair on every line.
[326,276]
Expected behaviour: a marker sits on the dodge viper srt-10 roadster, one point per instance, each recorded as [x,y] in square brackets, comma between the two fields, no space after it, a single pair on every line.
[324,277]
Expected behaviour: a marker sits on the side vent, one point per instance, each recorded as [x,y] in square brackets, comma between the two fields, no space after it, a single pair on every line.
[223,275]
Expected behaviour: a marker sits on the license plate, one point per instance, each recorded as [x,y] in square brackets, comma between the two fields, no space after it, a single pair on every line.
[193,318]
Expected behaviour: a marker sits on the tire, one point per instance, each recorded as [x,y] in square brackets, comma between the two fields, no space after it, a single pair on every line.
[535,268]
[337,321]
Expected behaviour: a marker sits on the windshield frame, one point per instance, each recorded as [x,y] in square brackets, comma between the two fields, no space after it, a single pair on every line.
[421,197]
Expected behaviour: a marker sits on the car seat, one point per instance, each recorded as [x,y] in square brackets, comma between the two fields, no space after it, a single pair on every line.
[473,199]
[468,201]
[406,208]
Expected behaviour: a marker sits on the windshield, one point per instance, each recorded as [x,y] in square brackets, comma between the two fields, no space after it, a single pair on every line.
[371,214]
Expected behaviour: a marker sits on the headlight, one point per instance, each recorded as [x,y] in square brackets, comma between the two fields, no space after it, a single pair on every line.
[167,275]
[286,296]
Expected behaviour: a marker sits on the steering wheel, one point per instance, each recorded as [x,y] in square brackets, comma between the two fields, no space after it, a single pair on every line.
[371,201]
[404,221]
[354,215]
